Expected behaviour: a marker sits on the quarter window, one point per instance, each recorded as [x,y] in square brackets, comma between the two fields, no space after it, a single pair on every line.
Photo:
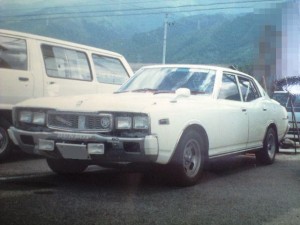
[229,89]
[66,63]
[109,70]
[13,53]
[248,89]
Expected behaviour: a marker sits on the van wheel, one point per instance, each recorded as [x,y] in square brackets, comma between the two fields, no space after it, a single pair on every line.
[270,146]
[66,166]
[187,164]
[5,143]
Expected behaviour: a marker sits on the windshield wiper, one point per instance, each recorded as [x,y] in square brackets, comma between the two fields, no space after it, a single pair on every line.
[198,92]
[145,90]
[163,91]
[118,92]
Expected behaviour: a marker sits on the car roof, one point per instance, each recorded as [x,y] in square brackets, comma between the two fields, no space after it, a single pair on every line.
[280,92]
[196,66]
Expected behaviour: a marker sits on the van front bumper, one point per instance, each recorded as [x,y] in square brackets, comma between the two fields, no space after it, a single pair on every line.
[86,146]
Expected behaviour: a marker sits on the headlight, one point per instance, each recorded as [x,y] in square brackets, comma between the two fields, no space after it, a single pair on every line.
[25,116]
[39,118]
[123,122]
[140,122]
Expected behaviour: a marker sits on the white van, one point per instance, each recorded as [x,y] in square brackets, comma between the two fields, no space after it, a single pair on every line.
[34,66]
[288,100]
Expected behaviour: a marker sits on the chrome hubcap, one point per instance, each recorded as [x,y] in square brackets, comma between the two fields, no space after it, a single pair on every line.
[191,158]
[271,146]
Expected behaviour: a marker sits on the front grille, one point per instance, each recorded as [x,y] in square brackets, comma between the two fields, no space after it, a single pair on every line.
[80,121]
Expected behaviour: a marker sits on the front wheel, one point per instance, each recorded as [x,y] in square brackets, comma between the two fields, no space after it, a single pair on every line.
[188,161]
[270,146]
[5,143]
[66,166]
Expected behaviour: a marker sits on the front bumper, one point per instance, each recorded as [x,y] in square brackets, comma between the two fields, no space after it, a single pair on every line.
[85,146]
[293,131]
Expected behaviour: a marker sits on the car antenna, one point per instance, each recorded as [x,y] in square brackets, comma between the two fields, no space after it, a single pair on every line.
[233,67]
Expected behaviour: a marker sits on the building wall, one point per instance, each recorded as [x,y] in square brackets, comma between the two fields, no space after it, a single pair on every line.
[289,65]
[279,45]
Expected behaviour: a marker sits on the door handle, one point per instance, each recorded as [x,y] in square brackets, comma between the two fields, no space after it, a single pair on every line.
[265,109]
[23,79]
[244,110]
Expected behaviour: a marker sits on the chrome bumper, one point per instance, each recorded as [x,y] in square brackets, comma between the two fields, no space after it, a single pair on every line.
[85,146]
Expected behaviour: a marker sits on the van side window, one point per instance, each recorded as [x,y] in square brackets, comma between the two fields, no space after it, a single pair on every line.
[66,63]
[13,53]
[109,70]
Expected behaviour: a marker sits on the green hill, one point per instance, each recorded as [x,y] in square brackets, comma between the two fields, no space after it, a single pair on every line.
[205,39]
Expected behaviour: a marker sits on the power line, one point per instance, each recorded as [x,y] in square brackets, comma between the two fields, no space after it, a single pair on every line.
[140,11]
[150,8]
[98,4]
[120,15]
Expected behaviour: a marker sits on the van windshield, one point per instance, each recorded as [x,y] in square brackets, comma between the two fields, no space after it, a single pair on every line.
[285,99]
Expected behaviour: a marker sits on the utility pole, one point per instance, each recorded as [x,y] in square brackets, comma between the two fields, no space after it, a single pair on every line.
[165,39]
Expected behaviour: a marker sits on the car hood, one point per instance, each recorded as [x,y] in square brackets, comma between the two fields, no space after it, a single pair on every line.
[130,102]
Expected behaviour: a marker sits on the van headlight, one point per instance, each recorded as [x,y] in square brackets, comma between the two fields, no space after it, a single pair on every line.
[38,118]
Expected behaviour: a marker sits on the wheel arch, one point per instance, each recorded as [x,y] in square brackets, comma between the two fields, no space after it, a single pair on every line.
[200,130]
[5,118]
[272,125]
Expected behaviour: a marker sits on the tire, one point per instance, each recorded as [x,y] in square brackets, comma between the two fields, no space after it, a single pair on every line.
[5,143]
[270,146]
[66,166]
[188,161]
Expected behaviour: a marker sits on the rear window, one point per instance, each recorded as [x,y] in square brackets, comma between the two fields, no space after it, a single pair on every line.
[66,63]
[13,53]
[109,70]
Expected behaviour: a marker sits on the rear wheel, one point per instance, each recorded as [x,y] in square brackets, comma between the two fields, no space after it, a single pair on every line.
[270,146]
[187,164]
[66,166]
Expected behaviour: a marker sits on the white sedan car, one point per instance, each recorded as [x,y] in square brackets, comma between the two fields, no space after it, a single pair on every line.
[175,115]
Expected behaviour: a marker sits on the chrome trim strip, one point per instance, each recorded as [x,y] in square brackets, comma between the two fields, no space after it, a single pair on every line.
[234,152]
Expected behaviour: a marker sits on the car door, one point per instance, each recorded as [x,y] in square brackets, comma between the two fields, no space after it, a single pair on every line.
[68,71]
[16,80]
[258,110]
[232,132]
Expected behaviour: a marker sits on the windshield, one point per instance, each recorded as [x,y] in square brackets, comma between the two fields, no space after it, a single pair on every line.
[286,99]
[169,79]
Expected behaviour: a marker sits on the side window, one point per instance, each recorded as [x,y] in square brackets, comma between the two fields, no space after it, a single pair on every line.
[109,70]
[13,53]
[66,63]
[248,89]
[229,89]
